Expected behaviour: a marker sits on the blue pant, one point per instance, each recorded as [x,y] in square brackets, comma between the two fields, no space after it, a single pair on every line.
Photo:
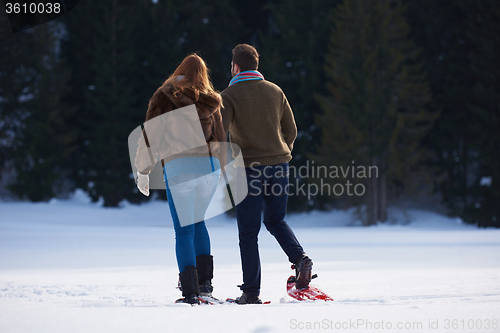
[190,195]
[267,188]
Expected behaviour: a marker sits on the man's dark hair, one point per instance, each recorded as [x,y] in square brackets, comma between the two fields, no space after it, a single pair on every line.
[246,56]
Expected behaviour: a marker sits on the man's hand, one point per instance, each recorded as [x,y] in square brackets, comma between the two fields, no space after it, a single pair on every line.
[143,183]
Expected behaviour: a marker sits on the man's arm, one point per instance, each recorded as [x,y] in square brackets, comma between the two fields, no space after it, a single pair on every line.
[288,127]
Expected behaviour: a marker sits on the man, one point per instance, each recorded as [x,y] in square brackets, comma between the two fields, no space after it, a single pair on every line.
[260,121]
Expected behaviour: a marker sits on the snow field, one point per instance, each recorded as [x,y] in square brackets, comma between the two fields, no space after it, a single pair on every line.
[69,266]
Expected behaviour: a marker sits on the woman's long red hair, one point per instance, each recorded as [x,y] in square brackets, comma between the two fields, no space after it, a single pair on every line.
[192,74]
[195,76]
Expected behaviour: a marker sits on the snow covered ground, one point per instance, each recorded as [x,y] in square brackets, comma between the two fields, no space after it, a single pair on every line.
[70,266]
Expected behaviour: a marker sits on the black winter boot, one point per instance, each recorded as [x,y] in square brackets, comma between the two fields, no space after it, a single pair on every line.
[303,268]
[190,288]
[248,299]
[205,268]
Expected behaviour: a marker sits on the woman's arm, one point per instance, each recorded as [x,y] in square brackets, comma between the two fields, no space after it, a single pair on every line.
[147,151]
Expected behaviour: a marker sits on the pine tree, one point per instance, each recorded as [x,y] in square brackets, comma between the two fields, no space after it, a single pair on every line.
[16,77]
[39,143]
[212,30]
[158,29]
[102,47]
[446,49]
[460,49]
[47,144]
[483,32]
[293,50]
[375,111]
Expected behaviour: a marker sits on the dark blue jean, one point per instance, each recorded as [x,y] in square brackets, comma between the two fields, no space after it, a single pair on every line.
[267,190]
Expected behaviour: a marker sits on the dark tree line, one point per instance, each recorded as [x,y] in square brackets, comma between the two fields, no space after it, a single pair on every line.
[377,98]
[460,46]
[411,86]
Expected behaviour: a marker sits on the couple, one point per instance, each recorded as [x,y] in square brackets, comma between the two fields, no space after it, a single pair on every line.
[260,121]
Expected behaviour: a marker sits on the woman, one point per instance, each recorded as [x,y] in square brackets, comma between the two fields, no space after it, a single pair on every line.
[191,178]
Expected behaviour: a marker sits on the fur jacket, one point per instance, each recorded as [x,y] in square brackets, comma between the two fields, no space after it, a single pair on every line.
[208,107]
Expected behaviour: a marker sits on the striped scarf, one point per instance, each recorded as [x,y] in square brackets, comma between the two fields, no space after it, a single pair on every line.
[246,76]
